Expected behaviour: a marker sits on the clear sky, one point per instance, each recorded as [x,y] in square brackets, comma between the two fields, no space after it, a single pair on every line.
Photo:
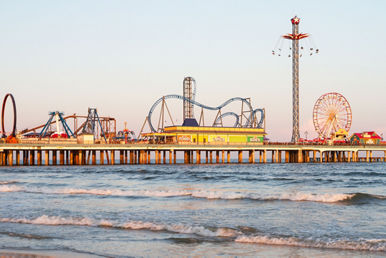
[120,56]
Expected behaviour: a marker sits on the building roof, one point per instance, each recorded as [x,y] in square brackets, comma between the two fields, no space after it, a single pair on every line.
[190,122]
[367,135]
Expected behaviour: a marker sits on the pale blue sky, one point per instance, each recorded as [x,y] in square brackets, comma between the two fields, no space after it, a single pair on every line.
[120,56]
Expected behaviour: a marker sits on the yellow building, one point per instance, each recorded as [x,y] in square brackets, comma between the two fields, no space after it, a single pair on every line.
[340,135]
[208,135]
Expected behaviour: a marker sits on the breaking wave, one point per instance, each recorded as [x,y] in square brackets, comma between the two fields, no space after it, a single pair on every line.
[348,198]
[10,188]
[229,234]
[129,193]
[51,220]
[130,225]
[180,228]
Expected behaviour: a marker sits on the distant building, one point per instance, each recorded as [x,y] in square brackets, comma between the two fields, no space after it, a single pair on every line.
[365,138]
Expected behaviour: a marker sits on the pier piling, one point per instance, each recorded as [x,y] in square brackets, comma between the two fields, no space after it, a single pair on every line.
[48,154]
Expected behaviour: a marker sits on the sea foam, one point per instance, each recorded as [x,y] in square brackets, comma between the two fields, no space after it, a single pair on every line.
[212,194]
[10,188]
[227,233]
[205,194]
[129,225]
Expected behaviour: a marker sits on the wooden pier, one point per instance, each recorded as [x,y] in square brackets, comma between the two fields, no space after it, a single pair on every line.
[111,154]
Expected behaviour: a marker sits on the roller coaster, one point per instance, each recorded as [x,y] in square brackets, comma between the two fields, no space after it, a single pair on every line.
[251,120]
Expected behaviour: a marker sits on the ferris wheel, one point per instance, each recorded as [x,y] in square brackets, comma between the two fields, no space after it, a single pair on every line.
[331,113]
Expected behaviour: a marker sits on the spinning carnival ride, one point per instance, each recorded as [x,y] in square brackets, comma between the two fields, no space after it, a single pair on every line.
[331,113]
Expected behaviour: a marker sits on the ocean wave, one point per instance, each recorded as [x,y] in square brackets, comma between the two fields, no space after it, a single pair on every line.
[228,234]
[10,188]
[180,228]
[362,173]
[129,193]
[347,198]
[23,235]
[362,198]
[129,225]
[51,220]
[211,194]
[323,197]
[378,245]
[231,195]
[7,182]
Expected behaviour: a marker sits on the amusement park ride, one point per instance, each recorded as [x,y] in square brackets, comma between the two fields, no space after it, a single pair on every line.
[295,37]
[247,118]
[100,127]
[248,125]
[11,138]
[332,115]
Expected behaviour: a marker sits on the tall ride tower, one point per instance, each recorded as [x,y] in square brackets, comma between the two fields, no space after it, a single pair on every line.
[189,92]
[295,37]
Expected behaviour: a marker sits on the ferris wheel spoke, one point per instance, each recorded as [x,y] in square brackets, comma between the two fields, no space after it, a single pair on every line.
[322,121]
[325,105]
[343,109]
[323,115]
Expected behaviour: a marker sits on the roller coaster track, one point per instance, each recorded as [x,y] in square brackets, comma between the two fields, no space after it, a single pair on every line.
[236,116]
[262,117]
[245,101]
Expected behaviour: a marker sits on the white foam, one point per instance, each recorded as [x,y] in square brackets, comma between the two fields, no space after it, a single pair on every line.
[133,225]
[105,223]
[137,225]
[220,195]
[118,192]
[206,194]
[327,197]
[361,245]
[51,220]
[10,188]
[180,228]
[298,196]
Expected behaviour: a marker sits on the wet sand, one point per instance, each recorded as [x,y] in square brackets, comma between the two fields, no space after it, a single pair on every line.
[7,253]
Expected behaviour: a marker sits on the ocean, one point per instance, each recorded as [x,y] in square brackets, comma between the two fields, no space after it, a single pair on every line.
[255,210]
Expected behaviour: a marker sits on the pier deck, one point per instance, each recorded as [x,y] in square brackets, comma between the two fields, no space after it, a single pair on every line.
[81,154]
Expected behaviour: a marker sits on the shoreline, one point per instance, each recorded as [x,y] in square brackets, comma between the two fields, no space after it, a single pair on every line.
[33,253]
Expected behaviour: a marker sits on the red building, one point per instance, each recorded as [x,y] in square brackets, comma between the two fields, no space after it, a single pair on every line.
[365,138]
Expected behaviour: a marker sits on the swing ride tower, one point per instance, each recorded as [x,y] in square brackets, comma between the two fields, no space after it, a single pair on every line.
[295,37]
